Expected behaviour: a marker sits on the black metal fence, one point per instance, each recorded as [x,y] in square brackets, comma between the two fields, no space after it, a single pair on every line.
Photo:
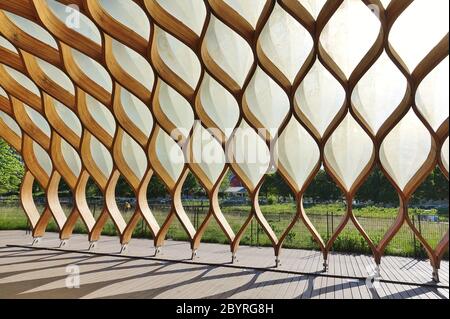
[404,243]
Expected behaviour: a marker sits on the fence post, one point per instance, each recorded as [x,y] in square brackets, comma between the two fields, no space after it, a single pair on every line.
[328,228]
[251,231]
[420,224]
[332,222]
[414,236]
[257,234]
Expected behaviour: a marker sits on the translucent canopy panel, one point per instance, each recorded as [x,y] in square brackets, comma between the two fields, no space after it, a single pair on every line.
[385,3]
[101,115]
[219,105]
[349,34]
[445,155]
[229,51]
[313,6]
[93,70]
[11,123]
[267,101]
[178,57]
[249,10]
[128,13]
[4,43]
[43,160]
[38,120]
[23,80]
[299,161]
[405,149]
[101,157]
[84,25]
[285,42]
[432,97]
[379,93]
[192,13]
[207,153]
[176,108]
[56,75]
[250,153]
[133,64]
[134,156]
[419,29]
[169,155]
[71,157]
[3,92]
[68,117]
[319,97]
[137,112]
[349,151]
[33,29]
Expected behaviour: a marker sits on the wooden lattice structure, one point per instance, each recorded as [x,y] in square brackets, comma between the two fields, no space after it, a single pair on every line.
[129,88]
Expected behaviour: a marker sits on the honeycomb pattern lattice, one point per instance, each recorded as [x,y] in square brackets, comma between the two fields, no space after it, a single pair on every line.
[102,89]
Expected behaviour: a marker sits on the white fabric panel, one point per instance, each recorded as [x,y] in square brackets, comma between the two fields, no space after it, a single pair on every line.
[178,57]
[219,105]
[250,153]
[129,14]
[33,29]
[3,93]
[320,97]
[379,92]
[101,115]
[231,53]
[138,113]
[444,154]
[68,117]
[134,64]
[297,152]
[101,156]
[249,10]
[419,29]
[23,80]
[267,101]
[7,45]
[286,42]
[176,108]
[43,159]
[71,157]
[192,13]
[313,6]
[385,3]
[11,123]
[93,70]
[350,34]
[65,14]
[56,75]
[169,155]
[405,149]
[207,152]
[348,151]
[432,97]
[38,120]
[134,156]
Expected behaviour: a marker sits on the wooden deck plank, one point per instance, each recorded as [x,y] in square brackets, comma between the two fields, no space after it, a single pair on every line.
[28,273]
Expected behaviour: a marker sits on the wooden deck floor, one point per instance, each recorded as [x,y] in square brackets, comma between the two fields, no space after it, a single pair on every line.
[30,273]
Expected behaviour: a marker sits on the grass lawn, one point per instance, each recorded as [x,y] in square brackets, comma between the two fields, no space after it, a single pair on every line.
[375,220]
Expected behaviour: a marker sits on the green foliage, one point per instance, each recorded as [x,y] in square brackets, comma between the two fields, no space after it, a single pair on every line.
[192,187]
[11,170]
[156,188]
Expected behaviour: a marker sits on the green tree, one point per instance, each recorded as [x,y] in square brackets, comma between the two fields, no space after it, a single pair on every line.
[323,188]
[11,170]
[156,188]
